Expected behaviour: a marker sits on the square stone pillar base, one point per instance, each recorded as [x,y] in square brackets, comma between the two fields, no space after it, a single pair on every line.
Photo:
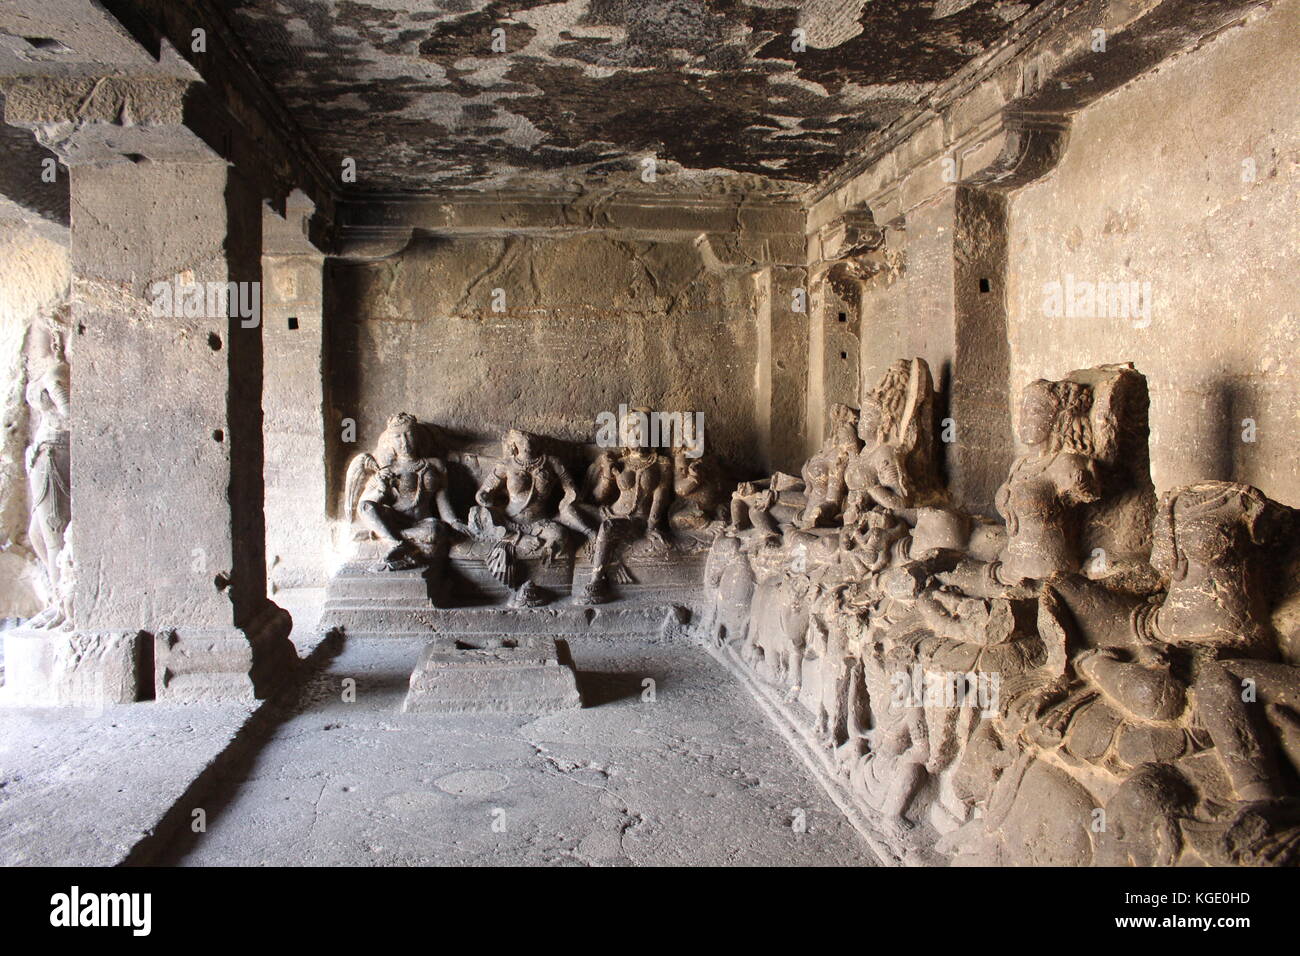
[75,668]
[225,663]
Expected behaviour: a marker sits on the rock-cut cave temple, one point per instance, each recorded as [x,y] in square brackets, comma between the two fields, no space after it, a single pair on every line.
[675,432]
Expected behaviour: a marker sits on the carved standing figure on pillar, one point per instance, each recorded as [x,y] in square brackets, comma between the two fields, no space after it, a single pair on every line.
[632,486]
[524,506]
[400,494]
[1045,486]
[48,468]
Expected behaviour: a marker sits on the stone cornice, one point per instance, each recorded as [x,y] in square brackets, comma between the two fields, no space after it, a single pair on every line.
[371,224]
[1003,121]
[1028,30]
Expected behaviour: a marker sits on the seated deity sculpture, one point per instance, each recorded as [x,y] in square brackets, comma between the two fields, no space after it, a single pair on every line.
[1046,485]
[632,487]
[699,492]
[772,505]
[526,505]
[399,493]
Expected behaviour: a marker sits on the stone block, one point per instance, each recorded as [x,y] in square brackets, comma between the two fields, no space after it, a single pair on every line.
[60,668]
[510,674]
[225,663]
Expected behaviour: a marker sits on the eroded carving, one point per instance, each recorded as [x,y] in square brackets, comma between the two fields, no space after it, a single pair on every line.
[1102,681]
[814,501]
[399,494]
[632,488]
[48,469]
[526,507]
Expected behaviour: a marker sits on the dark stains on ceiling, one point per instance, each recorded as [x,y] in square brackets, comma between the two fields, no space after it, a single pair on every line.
[414,92]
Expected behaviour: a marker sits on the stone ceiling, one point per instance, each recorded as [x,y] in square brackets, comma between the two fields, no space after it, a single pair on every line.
[412,90]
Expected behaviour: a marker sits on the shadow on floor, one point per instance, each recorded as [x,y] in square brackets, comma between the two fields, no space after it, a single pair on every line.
[215,788]
[599,688]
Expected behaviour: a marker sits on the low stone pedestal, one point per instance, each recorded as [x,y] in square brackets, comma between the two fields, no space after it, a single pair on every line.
[529,674]
[69,668]
[674,578]
[364,602]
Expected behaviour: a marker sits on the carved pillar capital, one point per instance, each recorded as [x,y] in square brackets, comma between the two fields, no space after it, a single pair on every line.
[96,119]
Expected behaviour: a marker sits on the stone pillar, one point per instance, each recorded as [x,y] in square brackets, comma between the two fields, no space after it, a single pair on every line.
[167,532]
[834,348]
[297,528]
[981,369]
[784,367]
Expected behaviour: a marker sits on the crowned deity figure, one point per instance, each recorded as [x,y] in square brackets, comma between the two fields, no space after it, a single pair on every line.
[399,493]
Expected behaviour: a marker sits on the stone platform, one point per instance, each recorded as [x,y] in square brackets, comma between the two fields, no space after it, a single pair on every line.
[531,674]
[363,602]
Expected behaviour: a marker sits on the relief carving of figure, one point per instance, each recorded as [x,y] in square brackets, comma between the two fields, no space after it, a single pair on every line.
[699,489]
[896,425]
[524,506]
[1101,661]
[48,469]
[818,501]
[1048,483]
[400,494]
[632,486]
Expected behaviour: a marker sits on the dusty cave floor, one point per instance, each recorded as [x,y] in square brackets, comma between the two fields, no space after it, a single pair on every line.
[696,776]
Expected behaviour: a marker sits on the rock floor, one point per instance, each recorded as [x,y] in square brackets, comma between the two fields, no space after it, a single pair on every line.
[83,787]
[689,774]
[695,776]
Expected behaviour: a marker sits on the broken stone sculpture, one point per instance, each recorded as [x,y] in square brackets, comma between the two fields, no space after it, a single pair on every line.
[1046,486]
[897,464]
[632,488]
[399,494]
[527,508]
[781,502]
[1208,541]
[48,469]
[1130,668]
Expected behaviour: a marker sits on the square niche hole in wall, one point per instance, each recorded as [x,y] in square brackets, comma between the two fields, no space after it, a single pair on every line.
[293,323]
[986,285]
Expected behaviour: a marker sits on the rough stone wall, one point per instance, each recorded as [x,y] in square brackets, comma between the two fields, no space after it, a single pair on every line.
[587,322]
[1155,187]
[910,311]
[34,280]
